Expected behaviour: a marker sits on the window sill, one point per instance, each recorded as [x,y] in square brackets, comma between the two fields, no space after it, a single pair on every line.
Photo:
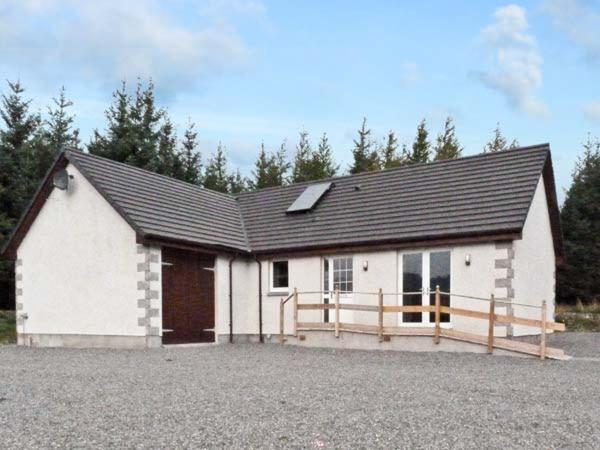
[278,294]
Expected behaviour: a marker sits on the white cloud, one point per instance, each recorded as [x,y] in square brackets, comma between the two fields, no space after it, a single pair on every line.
[580,22]
[410,73]
[114,39]
[591,110]
[516,69]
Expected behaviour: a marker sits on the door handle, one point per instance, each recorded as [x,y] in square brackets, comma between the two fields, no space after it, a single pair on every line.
[167,330]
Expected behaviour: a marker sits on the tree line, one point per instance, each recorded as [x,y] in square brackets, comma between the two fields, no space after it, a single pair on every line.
[141,133]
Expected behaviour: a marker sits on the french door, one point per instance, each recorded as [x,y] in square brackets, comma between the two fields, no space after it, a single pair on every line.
[337,274]
[420,273]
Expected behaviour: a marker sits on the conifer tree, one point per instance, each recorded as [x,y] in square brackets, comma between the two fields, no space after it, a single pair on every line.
[190,158]
[421,145]
[580,218]
[302,169]
[237,183]
[389,152]
[20,140]
[146,124]
[116,142]
[261,169]
[324,165]
[279,167]
[216,176]
[365,157]
[499,143]
[167,159]
[447,146]
[61,134]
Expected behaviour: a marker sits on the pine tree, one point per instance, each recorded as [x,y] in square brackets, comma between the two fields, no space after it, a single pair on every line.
[134,128]
[580,217]
[261,169]
[279,167]
[116,143]
[167,158]
[146,123]
[303,166]
[447,146]
[19,142]
[389,152]
[421,145]
[191,165]
[365,158]
[216,177]
[237,183]
[61,134]
[499,143]
[324,165]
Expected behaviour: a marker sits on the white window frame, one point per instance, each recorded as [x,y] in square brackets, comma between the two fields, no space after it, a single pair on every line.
[271,278]
[346,294]
[426,291]
[346,316]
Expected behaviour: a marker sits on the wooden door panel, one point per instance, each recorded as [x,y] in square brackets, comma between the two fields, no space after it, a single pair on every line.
[188,297]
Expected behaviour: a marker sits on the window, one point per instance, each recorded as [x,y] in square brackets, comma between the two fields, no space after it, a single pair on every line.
[342,274]
[279,276]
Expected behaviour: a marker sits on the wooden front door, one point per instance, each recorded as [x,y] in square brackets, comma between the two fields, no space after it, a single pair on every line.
[188,297]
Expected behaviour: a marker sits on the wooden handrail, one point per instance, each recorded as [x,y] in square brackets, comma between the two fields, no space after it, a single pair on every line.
[435,330]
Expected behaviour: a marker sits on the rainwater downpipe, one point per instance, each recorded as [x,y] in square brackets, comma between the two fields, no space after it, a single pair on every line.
[231,298]
[260,309]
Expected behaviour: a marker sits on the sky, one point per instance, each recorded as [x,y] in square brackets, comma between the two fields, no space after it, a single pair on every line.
[252,71]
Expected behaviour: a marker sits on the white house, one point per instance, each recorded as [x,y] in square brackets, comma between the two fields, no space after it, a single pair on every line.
[111,255]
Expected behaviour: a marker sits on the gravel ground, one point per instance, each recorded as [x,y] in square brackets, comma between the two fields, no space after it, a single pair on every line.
[271,396]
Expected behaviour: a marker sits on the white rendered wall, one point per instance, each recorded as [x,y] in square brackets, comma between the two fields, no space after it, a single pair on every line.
[535,263]
[532,268]
[79,267]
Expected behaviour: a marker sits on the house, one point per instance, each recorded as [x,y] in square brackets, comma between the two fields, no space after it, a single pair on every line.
[111,255]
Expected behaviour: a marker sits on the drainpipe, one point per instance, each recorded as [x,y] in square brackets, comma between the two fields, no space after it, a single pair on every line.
[260,321]
[231,298]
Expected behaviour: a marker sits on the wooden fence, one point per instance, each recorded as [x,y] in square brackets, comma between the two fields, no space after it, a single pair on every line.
[436,331]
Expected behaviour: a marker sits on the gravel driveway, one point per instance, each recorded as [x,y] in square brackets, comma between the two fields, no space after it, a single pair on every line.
[271,396]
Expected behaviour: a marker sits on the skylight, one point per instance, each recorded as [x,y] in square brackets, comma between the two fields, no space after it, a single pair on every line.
[309,198]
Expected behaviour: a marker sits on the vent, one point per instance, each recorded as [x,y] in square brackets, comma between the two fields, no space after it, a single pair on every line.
[309,198]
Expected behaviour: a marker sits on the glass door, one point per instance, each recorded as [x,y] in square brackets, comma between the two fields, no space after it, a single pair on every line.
[420,273]
[337,275]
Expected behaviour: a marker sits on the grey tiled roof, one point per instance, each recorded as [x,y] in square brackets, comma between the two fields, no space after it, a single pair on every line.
[477,195]
[474,196]
[161,207]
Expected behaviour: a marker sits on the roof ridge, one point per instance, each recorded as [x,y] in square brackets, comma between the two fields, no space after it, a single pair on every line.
[68,153]
[543,146]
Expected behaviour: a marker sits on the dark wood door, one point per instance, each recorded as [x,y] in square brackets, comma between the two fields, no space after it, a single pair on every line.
[188,297]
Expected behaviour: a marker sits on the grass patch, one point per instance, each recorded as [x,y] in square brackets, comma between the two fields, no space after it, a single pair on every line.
[580,317]
[8,330]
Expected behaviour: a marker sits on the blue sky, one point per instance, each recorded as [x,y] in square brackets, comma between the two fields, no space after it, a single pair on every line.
[252,70]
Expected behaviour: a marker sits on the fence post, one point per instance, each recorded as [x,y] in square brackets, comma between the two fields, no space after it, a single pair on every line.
[491,324]
[281,319]
[380,315]
[436,336]
[337,313]
[295,312]
[543,336]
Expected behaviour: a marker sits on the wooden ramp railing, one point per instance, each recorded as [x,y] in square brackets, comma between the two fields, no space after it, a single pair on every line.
[437,331]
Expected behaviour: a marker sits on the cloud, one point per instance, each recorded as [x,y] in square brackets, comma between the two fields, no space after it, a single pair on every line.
[591,110]
[114,39]
[516,64]
[581,23]
[410,73]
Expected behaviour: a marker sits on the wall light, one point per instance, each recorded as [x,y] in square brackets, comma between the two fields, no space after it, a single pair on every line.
[468,259]
[365,265]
